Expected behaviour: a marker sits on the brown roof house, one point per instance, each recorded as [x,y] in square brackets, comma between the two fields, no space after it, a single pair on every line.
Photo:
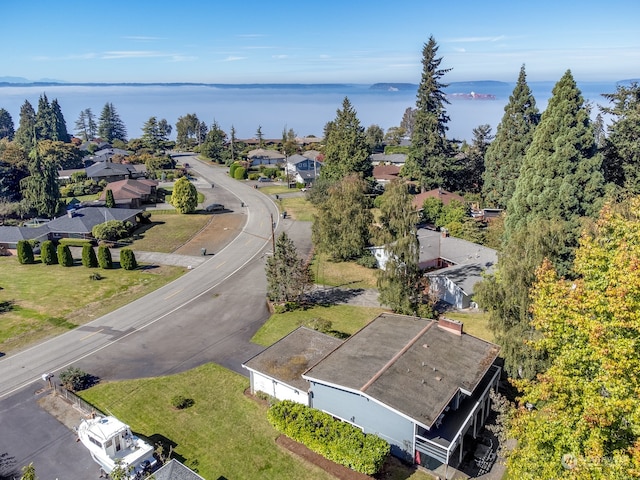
[130,193]
[422,385]
[439,193]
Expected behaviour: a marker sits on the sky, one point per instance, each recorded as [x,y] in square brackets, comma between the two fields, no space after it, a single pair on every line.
[330,41]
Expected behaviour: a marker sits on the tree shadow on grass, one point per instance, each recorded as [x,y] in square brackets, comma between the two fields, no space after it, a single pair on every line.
[332,296]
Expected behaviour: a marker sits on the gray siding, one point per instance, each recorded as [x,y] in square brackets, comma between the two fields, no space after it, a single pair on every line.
[368,415]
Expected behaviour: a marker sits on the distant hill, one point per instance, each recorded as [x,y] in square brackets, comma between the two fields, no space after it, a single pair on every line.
[14,80]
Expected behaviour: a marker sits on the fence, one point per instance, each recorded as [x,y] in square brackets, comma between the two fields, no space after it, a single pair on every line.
[82,405]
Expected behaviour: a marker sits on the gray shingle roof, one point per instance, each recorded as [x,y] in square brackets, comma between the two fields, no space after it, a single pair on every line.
[15,234]
[83,220]
[409,364]
[174,470]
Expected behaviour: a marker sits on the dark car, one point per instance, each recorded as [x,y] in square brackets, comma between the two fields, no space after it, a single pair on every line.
[214,207]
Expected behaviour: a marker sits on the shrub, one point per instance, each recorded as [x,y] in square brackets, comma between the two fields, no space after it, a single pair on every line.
[25,252]
[128,259]
[240,173]
[367,260]
[104,257]
[89,258]
[95,276]
[232,169]
[338,441]
[109,200]
[180,402]
[110,230]
[254,176]
[48,253]
[74,379]
[64,256]
[75,242]
[320,325]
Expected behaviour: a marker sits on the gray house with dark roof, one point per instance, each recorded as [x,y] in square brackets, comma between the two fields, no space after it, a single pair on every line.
[111,172]
[79,223]
[174,470]
[420,384]
[10,236]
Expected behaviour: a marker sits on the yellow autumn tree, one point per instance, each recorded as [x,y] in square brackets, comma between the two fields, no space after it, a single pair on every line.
[580,419]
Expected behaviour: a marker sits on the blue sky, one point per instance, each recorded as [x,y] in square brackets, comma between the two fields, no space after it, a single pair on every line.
[317,42]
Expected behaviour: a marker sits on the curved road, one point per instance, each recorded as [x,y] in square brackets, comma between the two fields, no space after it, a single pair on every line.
[135,340]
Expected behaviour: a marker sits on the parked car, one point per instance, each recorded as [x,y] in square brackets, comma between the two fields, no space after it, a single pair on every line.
[264,179]
[214,207]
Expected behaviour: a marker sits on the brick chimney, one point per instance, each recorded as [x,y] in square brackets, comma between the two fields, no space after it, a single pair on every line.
[452,326]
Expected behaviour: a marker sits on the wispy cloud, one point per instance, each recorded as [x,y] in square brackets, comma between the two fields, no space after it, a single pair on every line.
[119,54]
[477,39]
[141,38]
[279,57]
[232,58]
[80,56]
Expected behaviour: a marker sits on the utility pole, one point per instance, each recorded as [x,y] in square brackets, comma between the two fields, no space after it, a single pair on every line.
[273,235]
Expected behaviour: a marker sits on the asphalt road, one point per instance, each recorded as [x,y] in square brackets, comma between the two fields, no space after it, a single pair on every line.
[209,314]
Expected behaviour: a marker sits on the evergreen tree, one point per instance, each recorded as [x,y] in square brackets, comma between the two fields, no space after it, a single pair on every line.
[104,257]
[400,283]
[26,133]
[64,256]
[232,145]
[260,137]
[110,126]
[6,125]
[346,150]
[288,276]
[24,252]
[86,126]
[214,145]
[59,126]
[471,164]
[155,133]
[341,227]
[109,201]
[505,155]
[48,253]
[184,196]
[40,189]
[622,146]
[89,258]
[561,174]
[408,121]
[45,122]
[430,152]
[128,259]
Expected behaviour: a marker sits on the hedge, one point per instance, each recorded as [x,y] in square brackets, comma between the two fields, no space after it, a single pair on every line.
[104,257]
[89,258]
[75,242]
[64,256]
[128,259]
[338,441]
[25,252]
[240,173]
[48,253]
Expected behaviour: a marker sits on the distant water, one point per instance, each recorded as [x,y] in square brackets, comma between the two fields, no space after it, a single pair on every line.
[305,109]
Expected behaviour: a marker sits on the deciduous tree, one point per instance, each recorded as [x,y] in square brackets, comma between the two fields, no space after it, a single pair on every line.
[341,227]
[581,417]
[184,196]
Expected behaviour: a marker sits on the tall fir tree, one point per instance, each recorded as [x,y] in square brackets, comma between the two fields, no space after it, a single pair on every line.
[346,150]
[86,127]
[59,125]
[6,125]
[429,159]
[288,275]
[505,155]
[622,145]
[40,189]
[26,133]
[561,174]
[214,145]
[45,122]
[110,126]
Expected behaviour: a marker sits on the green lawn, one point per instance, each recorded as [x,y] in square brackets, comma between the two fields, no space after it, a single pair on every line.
[168,231]
[38,301]
[475,323]
[345,320]
[225,434]
[342,274]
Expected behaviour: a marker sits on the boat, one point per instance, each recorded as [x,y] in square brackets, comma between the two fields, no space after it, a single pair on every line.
[110,442]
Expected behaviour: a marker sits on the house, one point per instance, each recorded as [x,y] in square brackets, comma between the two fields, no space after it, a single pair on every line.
[111,172]
[314,155]
[107,155]
[302,169]
[10,236]
[384,174]
[397,159]
[130,193]
[261,156]
[174,470]
[454,265]
[445,197]
[304,141]
[277,371]
[422,385]
[79,223]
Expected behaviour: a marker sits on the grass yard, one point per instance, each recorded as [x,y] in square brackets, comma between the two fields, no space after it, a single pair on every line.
[298,208]
[277,189]
[39,301]
[342,274]
[176,230]
[345,320]
[225,434]
[475,323]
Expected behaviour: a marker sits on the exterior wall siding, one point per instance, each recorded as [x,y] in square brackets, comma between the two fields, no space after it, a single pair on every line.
[281,391]
[368,415]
